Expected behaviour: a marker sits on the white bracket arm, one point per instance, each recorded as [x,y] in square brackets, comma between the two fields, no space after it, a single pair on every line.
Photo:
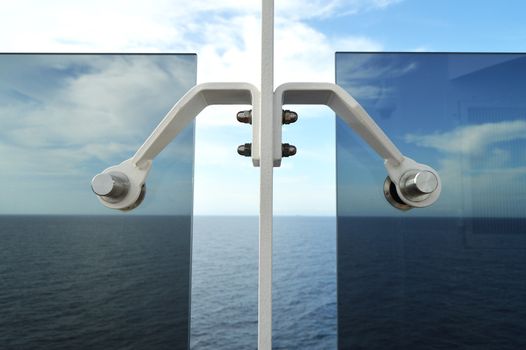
[408,185]
[189,106]
[122,186]
[416,185]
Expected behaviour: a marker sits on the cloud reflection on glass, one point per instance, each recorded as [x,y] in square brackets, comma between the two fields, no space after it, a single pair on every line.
[450,275]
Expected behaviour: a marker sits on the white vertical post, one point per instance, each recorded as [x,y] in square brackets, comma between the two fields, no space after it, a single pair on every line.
[266,180]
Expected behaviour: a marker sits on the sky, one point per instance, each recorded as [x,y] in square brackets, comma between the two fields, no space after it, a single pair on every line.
[225,37]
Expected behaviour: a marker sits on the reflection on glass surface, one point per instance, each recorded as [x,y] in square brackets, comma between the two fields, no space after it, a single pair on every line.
[74,274]
[450,276]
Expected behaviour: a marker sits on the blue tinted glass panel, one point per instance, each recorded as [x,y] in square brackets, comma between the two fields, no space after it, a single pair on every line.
[74,274]
[451,276]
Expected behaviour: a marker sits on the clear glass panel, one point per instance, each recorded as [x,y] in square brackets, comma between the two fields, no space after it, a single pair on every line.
[450,276]
[74,274]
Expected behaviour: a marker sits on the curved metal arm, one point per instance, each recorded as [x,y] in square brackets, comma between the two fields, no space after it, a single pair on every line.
[344,105]
[403,171]
[188,107]
[130,175]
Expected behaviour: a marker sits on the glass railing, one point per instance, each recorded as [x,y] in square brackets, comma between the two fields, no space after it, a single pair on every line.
[72,275]
[75,274]
[450,276]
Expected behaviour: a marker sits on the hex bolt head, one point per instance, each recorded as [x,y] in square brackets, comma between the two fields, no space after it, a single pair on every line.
[244,117]
[288,150]
[245,150]
[289,117]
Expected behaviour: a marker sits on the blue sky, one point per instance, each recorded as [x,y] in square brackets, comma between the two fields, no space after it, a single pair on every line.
[225,35]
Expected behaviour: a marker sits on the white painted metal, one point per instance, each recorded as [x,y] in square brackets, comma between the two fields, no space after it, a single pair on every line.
[342,104]
[136,176]
[347,108]
[267,127]
[189,106]
[182,113]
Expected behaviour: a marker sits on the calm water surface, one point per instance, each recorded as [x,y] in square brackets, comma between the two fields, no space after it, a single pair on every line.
[124,283]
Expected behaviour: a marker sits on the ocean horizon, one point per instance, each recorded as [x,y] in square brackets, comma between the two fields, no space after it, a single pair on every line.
[126,282]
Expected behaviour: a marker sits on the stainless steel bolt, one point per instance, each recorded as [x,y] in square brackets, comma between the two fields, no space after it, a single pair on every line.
[110,185]
[245,150]
[288,150]
[244,117]
[289,117]
[418,185]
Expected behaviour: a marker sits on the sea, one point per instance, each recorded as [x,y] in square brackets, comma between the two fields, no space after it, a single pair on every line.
[177,282]
[132,282]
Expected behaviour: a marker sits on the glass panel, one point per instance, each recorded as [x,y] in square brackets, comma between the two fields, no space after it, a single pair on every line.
[450,276]
[74,274]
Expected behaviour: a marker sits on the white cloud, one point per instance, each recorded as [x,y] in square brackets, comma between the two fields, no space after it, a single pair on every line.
[478,171]
[361,70]
[322,8]
[112,100]
[225,35]
[136,25]
[301,52]
[90,109]
[472,139]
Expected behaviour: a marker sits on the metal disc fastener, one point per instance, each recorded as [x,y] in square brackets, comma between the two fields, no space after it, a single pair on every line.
[418,185]
[110,187]
[392,196]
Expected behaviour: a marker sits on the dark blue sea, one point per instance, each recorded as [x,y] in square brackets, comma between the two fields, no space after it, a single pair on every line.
[94,282]
[432,283]
[225,276]
[124,282]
